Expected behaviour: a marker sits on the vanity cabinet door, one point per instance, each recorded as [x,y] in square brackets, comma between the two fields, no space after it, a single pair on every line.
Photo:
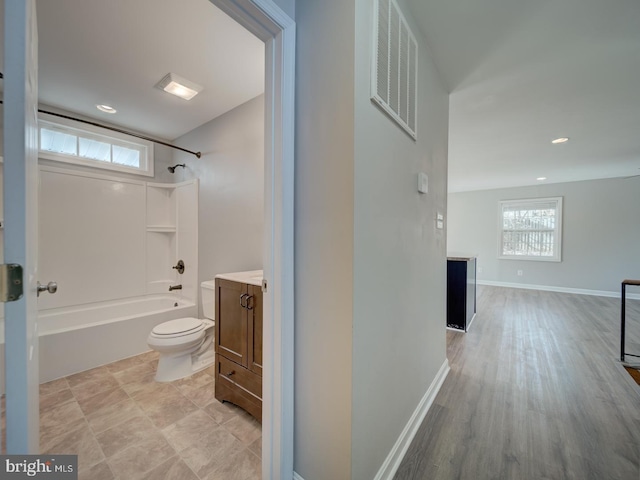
[231,321]
[255,328]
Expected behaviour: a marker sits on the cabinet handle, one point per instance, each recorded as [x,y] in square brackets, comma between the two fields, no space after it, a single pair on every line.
[250,302]
[243,296]
[232,372]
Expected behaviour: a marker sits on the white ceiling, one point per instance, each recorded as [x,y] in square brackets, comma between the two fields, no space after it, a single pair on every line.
[522,73]
[115,51]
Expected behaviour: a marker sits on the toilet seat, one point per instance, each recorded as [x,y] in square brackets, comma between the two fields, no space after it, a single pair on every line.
[178,328]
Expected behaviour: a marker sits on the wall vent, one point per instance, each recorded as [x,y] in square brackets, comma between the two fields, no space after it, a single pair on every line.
[394,73]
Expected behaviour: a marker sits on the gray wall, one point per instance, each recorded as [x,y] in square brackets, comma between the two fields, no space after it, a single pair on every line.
[601,234]
[324,238]
[370,266]
[231,200]
[399,256]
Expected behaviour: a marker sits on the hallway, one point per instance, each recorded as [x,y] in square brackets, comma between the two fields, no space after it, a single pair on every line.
[534,392]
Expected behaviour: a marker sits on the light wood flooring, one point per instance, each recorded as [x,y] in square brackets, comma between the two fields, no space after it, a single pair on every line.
[125,426]
[535,392]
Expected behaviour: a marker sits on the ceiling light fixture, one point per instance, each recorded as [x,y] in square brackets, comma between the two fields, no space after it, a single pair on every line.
[560,140]
[540,179]
[178,86]
[106,108]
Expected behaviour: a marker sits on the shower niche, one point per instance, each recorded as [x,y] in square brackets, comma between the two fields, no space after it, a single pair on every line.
[172,235]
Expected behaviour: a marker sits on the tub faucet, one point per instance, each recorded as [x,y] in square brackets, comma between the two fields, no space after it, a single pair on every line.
[175,287]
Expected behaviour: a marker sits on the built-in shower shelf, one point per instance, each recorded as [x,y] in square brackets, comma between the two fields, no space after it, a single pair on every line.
[161,228]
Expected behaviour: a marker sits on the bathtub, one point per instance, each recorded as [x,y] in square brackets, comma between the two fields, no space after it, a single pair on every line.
[74,339]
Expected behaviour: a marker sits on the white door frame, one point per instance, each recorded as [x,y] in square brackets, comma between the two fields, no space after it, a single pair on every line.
[21,222]
[268,22]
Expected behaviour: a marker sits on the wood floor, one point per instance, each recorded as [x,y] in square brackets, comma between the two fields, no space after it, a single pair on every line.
[535,392]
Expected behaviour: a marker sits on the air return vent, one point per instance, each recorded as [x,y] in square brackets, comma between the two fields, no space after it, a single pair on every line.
[394,75]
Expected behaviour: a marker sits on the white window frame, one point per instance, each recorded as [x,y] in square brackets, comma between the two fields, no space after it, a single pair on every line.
[101,134]
[532,203]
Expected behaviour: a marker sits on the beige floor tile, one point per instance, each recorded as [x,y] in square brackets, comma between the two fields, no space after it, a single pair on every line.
[191,431]
[149,356]
[145,384]
[243,465]
[172,469]
[57,418]
[54,386]
[79,441]
[244,427]
[212,451]
[193,383]
[126,426]
[95,374]
[222,412]
[203,395]
[47,402]
[92,387]
[101,471]
[125,435]
[103,399]
[133,374]
[256,446]
[141,457]
[165,406]
[124,364]
[113,415]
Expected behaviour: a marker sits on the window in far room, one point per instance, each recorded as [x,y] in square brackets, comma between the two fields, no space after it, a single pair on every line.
[531,229]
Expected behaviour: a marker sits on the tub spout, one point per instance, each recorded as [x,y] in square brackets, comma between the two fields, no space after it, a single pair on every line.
[175,287]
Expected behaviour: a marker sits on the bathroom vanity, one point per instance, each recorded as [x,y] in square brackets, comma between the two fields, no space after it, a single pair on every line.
[238,344]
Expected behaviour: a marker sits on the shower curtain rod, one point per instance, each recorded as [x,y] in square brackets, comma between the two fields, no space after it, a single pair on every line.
[114,129]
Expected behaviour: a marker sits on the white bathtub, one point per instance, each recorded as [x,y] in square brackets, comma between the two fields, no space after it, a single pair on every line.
[74,339]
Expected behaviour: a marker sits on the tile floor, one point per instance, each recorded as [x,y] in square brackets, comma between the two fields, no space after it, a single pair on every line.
[123,425]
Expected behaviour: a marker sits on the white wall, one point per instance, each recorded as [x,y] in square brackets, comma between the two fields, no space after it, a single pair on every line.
[399,256]
[601,234]
[231,173]
[370,265]
[324,238]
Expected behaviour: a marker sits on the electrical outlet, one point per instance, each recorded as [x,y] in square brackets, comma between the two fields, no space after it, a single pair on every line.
[520,273]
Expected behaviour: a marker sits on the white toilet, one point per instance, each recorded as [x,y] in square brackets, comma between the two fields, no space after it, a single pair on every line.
[186,344]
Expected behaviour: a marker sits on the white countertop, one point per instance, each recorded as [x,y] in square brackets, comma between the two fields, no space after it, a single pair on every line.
[460,256]
[252,277]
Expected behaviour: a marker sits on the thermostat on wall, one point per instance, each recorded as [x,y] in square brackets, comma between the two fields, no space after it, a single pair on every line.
[423,182]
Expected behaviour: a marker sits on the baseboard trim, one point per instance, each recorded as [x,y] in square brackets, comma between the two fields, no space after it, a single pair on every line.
[397,453]
[550,288]
[297,477]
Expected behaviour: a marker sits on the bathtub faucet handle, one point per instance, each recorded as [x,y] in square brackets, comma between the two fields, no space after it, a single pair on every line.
[179,267]
[51,287]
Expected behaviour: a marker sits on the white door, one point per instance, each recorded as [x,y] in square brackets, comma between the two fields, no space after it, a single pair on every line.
[20,190]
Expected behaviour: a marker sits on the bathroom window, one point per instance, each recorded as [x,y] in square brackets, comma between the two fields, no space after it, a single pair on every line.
[531,229]
[67,141]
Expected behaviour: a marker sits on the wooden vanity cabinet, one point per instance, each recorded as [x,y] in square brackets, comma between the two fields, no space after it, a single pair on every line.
[238,345]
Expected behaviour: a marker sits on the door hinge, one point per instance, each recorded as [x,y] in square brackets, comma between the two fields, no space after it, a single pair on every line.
[264,285]
[11,285]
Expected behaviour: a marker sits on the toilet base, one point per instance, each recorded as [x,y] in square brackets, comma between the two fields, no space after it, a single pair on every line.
[175,367]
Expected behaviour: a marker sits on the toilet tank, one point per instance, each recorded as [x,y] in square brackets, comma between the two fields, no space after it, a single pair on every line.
[208,295]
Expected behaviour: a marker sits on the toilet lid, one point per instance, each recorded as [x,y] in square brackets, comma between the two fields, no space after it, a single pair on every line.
[179,326]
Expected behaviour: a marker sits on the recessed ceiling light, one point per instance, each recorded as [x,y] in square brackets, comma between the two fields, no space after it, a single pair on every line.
[560,140]
[106,108]
[540,179]
[178,86]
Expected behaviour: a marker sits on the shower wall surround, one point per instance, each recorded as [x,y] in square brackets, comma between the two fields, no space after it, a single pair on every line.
[105,238]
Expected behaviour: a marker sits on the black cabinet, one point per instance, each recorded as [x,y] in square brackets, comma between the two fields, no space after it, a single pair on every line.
[461,292]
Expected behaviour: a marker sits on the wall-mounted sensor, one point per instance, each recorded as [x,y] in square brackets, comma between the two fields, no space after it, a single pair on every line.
[423,182]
